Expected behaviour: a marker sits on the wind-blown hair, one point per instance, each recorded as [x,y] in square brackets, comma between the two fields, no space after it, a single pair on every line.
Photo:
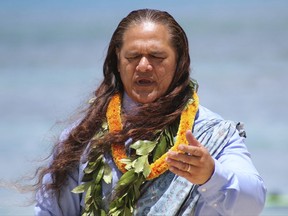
[150,117]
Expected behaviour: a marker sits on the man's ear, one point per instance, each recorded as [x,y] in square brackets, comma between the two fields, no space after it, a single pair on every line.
[117,52]
[118,58]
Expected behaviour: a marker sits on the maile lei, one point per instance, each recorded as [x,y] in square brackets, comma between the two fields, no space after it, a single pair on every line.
[136,169]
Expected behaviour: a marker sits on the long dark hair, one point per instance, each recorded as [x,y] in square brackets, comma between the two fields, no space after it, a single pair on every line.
[150,117]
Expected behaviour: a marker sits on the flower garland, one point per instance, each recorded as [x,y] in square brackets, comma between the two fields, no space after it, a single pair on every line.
[136,170]
[158,167]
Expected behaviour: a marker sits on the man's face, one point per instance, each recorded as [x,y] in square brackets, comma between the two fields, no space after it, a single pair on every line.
[146,62]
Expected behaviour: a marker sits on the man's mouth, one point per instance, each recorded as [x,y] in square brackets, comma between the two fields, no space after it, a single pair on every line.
[144,82]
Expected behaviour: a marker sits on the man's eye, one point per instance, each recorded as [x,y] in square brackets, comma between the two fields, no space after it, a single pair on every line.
[160,58]
[131,58]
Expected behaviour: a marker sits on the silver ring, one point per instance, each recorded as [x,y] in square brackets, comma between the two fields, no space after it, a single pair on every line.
[188,170]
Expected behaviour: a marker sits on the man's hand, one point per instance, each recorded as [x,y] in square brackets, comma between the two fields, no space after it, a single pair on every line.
[193,162]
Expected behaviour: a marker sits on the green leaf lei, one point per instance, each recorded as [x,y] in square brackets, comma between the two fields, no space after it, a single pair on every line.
[127,190]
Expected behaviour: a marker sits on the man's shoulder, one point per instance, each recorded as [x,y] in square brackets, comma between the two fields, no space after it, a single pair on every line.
[205,114]
[209,120]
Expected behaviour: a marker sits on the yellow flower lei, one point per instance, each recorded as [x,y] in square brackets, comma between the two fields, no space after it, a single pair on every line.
[113,116]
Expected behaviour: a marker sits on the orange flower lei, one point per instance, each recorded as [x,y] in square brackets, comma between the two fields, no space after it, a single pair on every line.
[113,116]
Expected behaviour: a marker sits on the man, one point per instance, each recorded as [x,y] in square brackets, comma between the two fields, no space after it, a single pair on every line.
[145,146]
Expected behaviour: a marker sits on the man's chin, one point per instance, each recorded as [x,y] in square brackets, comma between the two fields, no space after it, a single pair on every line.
[144,98]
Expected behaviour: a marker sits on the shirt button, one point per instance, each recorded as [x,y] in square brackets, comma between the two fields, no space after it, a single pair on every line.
[215,205]
[204,189]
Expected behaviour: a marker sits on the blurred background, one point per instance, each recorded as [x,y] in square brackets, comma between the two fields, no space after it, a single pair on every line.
[51,56]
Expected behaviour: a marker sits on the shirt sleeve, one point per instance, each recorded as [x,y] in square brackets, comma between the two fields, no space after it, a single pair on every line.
[67,203]
[235,187]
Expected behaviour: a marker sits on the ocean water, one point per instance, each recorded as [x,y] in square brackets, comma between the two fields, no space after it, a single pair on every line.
[51,55]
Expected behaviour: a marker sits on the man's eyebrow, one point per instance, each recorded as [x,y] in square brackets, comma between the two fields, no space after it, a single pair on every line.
[152,52]
[131,52]
[157,52]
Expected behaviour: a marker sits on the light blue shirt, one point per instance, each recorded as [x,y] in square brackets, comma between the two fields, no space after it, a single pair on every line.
[235,187]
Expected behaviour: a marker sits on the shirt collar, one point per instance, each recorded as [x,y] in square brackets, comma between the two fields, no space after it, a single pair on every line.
[128,104]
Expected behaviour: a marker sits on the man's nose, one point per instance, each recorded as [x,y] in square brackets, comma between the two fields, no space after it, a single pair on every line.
[144,65]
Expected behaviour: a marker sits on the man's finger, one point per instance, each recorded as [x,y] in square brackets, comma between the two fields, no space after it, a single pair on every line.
[191,139]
